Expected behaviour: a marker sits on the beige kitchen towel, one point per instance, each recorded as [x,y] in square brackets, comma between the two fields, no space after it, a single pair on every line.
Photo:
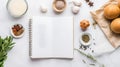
[104,24]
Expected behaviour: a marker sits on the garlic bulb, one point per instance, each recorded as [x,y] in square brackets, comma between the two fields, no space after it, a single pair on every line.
[43,9]
[75,9]
[76,3]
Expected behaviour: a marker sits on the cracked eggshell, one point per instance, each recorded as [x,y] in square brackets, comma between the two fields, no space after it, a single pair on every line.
[43,9]
[75,9]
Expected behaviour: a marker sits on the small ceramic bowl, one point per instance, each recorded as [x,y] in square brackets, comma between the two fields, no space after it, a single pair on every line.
[84,43]
[57,10]
[14,15]
[11,31]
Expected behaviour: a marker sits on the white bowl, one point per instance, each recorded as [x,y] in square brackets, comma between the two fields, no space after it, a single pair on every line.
[15,35]
[15,16]
[84,43]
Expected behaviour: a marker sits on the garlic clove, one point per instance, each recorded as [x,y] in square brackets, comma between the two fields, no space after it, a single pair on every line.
[43,9]
[75,9]
[76,3]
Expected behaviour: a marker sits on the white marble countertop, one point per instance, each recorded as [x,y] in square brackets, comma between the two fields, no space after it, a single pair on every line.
[19,55]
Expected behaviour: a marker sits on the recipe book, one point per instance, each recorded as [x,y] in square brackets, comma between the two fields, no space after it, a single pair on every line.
[51,37]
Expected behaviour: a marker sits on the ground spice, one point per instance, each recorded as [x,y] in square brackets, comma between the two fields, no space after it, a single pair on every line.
[85,38]
[92,51]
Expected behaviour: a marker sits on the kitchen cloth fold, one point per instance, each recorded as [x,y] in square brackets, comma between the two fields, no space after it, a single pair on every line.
[104,24]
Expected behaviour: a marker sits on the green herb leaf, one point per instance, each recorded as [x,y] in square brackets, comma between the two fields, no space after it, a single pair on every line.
[6,45]
[92,64]
[90,57]
[87,55]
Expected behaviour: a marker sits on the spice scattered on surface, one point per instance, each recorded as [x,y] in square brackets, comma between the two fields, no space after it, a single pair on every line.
[87,0]
[92,51]
[83,47]
[90,4]
[17,30]
[84,61]
[94,25]
[87,55]
[92,64]
[85,38]
[94,43]
[91,58]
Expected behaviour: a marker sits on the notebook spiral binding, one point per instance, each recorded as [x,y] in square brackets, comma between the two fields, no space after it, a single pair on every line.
[30,37]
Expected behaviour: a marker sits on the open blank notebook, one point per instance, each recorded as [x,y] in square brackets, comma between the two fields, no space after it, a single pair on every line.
[52,37]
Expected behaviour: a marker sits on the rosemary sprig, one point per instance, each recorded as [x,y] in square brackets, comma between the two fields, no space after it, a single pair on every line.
[84,61]
[87,55]
[6,45]
[92,64]
[90,57]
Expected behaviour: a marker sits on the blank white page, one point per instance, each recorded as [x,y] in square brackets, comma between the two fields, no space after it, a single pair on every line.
[52,37]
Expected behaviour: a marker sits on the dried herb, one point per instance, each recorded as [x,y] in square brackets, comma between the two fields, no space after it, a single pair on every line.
[90,57]
[92,64]
[83,47]
[84,61]
[85,38]
[6,45]
[87,55]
